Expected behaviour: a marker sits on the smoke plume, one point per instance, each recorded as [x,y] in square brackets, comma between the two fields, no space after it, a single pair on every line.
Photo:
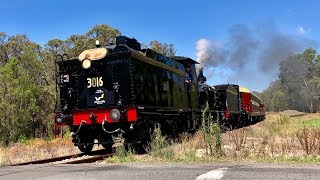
[250,56]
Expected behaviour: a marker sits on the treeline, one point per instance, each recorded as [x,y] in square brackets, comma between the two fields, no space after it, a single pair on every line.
[298,84]
[27,79]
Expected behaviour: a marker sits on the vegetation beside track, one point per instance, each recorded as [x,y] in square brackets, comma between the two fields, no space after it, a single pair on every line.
[280,138]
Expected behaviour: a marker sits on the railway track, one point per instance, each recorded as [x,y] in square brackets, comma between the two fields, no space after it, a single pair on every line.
[72,159]
[88,159]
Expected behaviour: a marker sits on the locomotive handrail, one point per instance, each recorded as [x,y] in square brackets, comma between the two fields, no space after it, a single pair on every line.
[151,61]
[57,56]
[65,55]
[56,77]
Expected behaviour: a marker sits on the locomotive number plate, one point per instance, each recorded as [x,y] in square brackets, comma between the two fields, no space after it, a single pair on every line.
[94,82]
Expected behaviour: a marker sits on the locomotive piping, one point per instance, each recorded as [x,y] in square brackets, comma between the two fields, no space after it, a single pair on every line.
[82,122]
[111,132]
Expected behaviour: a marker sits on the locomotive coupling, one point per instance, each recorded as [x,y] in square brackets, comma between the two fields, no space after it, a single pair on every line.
[92,117]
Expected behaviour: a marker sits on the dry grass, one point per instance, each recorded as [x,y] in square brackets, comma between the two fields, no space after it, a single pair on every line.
[190,144]
[278,138]
[4,160]
[37,149]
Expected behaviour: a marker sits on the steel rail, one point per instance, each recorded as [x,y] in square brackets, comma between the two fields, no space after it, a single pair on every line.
[61,158]
[89,159]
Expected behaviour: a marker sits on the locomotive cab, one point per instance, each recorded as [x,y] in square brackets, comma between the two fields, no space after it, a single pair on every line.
[192,86]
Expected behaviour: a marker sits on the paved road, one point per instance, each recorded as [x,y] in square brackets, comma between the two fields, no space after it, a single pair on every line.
[161,171]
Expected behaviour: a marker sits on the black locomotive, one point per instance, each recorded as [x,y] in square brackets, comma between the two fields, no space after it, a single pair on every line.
[122,89]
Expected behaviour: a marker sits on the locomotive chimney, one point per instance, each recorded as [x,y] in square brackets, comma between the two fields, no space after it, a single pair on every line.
[201,77]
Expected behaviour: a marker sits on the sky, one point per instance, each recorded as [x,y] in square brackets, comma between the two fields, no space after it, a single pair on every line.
[239,41]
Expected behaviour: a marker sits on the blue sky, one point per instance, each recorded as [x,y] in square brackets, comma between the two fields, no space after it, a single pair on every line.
[182,23]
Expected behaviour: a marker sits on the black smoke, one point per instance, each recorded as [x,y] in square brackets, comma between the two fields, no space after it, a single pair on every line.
[250,56]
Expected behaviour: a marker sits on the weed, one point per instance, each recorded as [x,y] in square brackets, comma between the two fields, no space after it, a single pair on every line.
[188,155]
[160,146]
[261,146]
[217,134]
[239,138]
[158,140]
[23,139]
[309,140]
[282,119]
[121,156]
[211,133]
[287,144]
[275,126]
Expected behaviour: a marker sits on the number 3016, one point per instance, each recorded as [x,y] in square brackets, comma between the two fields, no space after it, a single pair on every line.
[94,82]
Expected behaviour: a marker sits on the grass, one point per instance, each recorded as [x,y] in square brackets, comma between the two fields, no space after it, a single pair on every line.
[36,149]
[121,156]
[284,159]
[277,139]
[160,146]
[297,123]
[313,123]
[4,160]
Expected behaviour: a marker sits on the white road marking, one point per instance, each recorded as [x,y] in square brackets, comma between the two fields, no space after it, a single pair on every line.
[215,174]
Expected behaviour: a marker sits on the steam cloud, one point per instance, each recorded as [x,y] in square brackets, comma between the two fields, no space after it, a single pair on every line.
[251,55]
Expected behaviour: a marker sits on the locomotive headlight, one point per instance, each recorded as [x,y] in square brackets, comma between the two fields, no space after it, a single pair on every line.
[115,114]
[63,119]
[59,119]
[86,64]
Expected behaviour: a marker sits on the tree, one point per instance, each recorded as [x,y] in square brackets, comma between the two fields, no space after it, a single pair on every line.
[103,33]
[55,46]
[298,85]
[75,44]
[25,100]
[3,53]
[166,49]
[275,97]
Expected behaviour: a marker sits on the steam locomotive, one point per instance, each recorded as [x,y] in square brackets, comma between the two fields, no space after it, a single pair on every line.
[123,90]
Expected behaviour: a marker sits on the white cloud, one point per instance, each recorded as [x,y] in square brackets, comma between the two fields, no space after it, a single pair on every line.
[302,30]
